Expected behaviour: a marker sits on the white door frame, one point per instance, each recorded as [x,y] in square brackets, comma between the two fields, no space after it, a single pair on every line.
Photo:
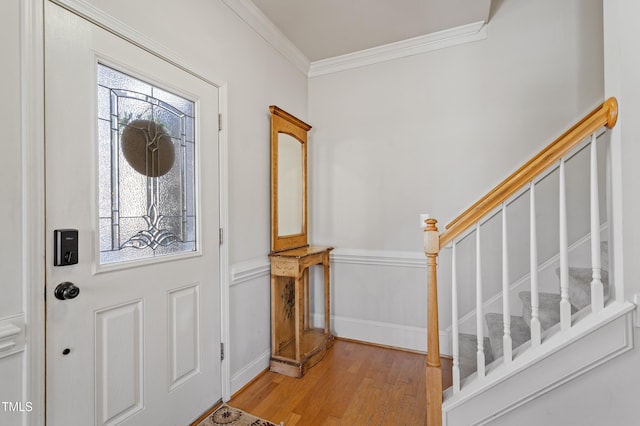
[33,181]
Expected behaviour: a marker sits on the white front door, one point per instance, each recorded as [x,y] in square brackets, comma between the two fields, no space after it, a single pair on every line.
[132,165]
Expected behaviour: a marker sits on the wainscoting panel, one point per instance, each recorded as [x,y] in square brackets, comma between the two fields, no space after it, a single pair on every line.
[184,332]
[378,297]
[12,362]
[249,300]
[119,362]
[12,335]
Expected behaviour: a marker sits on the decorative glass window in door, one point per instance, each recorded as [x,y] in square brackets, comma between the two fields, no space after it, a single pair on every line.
[146,169]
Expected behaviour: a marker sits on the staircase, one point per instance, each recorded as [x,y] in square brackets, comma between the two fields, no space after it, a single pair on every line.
[556,332]
[549,316]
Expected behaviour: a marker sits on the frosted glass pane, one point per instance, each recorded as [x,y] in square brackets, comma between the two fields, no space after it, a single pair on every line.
[145,173]
[170,194]
[178,102]
[131,185]
[133,109]
[104,103]
[191,229]
[108,77]
[188,129]
[105,234]
[189,150]
[171,122]
[104,169]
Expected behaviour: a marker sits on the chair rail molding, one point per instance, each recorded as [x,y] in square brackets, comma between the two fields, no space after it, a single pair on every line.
[408,259]
[250,269]
[12,335]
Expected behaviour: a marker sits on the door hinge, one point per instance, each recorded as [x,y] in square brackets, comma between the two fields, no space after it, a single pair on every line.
[221,351]
[219,122]
[220,235]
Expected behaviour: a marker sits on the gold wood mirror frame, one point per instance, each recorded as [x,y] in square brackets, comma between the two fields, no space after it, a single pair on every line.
[288,180]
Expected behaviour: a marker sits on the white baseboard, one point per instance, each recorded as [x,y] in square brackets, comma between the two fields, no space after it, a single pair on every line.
[381,333]
[250,371]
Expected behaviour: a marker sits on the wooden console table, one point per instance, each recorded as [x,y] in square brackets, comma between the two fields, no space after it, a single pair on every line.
[295,346]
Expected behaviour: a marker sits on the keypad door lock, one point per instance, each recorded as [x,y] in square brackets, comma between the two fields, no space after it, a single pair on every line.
[65,247]
[66,291]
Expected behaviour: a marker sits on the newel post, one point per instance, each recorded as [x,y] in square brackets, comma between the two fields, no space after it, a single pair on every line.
[434,371]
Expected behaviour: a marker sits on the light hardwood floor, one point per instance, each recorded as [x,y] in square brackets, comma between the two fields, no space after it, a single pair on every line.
[355,384]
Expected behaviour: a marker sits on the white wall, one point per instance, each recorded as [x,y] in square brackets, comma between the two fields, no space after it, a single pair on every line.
[11,278]
[622,69]
[608,394]
[431,133]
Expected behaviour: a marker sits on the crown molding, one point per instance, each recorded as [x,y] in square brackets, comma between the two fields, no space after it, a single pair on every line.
[249,13]
[252,16]
[413,46]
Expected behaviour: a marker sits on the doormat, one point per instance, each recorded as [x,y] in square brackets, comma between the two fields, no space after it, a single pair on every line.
[230,416]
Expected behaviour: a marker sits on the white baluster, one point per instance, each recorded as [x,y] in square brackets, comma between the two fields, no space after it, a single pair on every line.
[533,248]
[454,322]
[610,220]
[506,309]
[479,313]
[597,289]
[565,305]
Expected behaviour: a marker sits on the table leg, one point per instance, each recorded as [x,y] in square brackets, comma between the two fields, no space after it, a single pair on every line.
[305,278]
[327,296]
[274,282]
[299,316]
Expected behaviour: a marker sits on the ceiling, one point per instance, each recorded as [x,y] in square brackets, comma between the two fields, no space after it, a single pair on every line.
[323,29]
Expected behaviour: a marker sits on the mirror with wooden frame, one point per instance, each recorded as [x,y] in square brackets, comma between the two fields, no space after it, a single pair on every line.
[288,180]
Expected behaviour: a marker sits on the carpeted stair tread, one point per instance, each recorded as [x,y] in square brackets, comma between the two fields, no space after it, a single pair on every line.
[468,346]
[548,308]
[580,286]
[520,332]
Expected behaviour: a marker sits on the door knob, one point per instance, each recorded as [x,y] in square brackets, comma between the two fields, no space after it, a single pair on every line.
[66,291]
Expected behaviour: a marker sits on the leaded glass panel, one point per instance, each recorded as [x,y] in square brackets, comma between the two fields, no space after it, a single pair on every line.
[146,172]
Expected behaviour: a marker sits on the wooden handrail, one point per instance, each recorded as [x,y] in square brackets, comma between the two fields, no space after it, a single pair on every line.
[605,115]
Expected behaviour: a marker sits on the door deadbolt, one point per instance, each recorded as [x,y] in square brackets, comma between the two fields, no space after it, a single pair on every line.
[66,291]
